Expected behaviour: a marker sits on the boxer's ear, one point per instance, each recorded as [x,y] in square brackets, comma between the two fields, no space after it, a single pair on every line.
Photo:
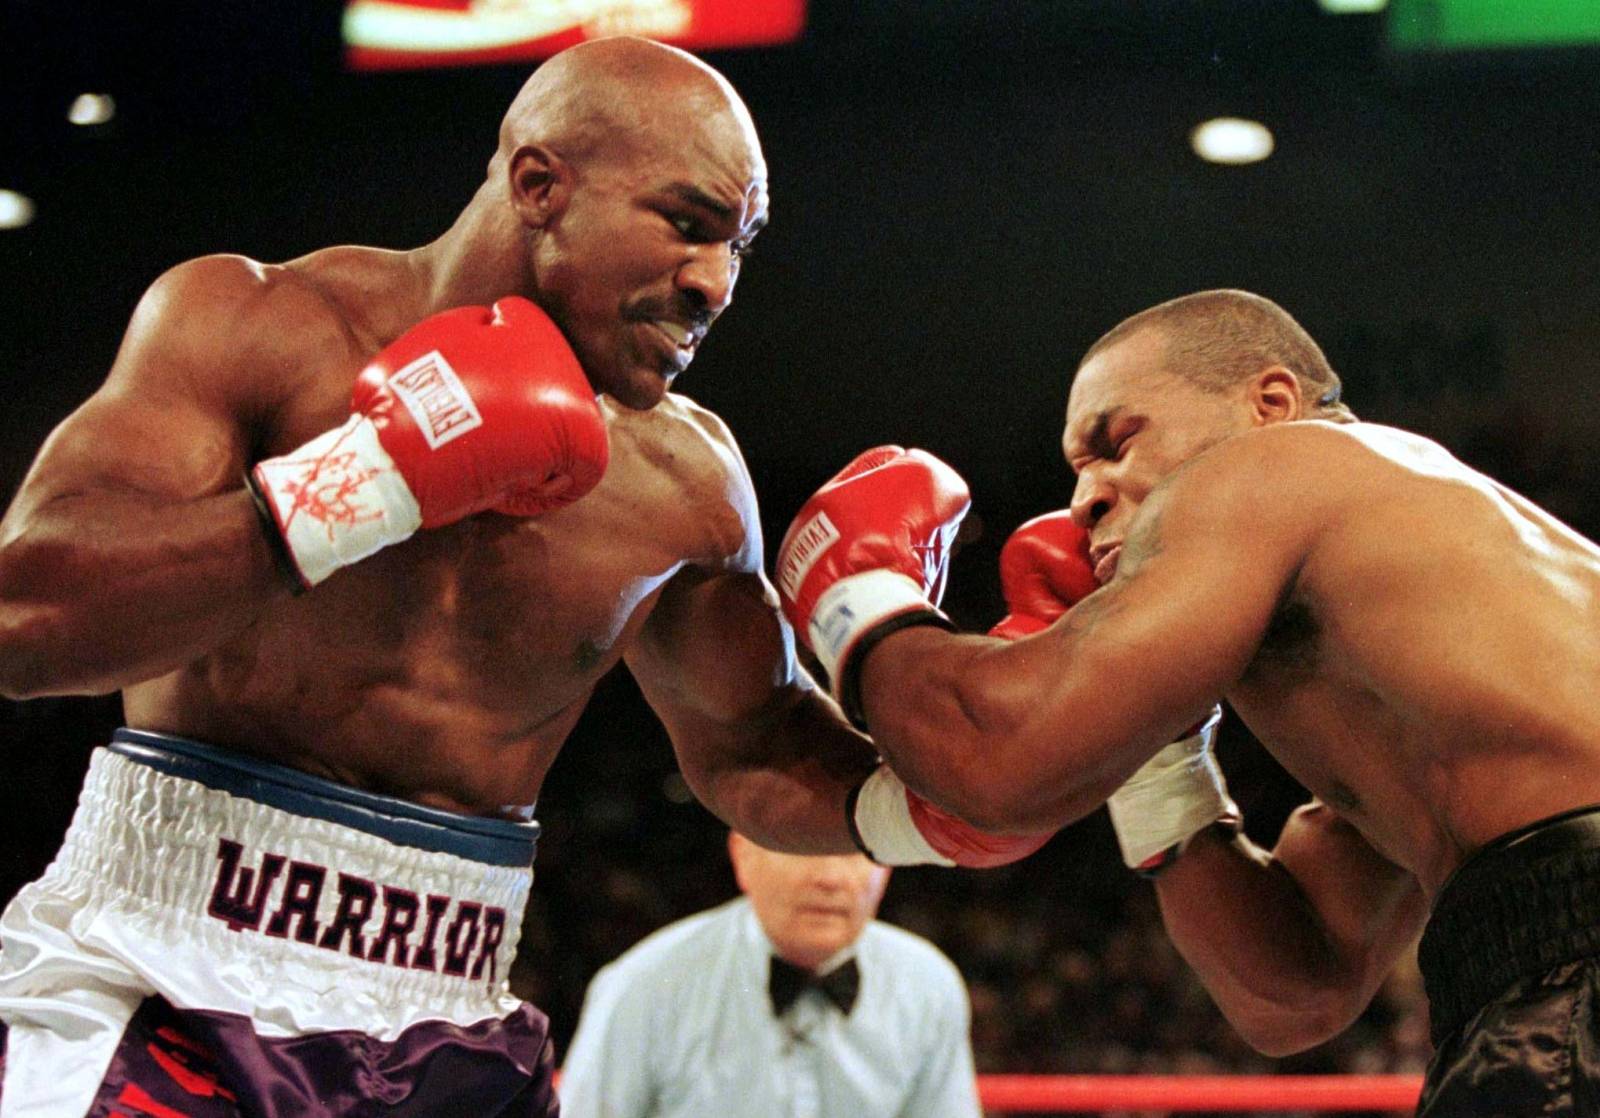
[540,184]
[1274,396]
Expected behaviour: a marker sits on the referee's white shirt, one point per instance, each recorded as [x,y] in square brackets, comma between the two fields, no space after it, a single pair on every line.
[680,1026]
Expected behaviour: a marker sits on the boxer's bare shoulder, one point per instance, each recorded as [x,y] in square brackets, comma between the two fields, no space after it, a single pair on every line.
[239,341]
[1336,462]
[683,467]
[235,305]
[1268,493]
[1309,459]
[214,348]
[1288,490]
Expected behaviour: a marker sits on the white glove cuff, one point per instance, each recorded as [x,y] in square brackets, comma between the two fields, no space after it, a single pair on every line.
[337,499]
[1171,798]
[854,605]
[882,824]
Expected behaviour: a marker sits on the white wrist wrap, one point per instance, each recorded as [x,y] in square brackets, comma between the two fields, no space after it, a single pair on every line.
[855,604]
[884,824]
[1171,798]
[337,499]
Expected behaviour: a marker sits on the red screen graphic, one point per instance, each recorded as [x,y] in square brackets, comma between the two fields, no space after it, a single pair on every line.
[397,34]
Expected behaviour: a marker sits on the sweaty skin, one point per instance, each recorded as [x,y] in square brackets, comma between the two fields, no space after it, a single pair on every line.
[1417,644]
[448,669]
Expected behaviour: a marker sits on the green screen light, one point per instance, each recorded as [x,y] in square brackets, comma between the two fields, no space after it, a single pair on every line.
[1468,25]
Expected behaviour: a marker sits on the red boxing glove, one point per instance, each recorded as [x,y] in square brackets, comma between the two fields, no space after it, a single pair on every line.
[505,377]
[867,556]
[1044,571]
[471,409]
[896,827]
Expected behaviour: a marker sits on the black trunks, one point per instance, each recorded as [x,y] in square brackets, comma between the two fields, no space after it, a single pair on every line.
[1511,962]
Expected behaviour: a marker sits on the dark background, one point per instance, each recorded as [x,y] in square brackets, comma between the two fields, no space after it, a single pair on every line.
[964,195]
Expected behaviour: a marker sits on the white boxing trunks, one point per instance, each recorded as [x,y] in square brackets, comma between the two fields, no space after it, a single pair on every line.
[223,937]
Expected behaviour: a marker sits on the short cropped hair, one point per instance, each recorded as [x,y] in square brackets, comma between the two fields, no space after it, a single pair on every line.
[1216,339]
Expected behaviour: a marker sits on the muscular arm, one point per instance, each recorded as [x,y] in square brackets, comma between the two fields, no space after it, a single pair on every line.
[758,743]
[132,546]
[1032,734]
[761,746]
[1291,944]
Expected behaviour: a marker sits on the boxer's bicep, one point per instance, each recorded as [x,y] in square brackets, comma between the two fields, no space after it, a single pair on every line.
[716,654]
[1150,653]
[132,545]
[1148,656]
[150,448]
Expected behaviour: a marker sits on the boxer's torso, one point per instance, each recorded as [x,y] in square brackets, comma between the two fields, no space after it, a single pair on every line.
[449,668]
[1433,671]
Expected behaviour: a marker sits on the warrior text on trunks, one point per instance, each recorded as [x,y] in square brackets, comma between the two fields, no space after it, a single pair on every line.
[250,898]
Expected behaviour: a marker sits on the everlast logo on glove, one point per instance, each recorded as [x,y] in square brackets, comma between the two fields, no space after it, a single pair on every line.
[242,896]
[436,399]
[805,546]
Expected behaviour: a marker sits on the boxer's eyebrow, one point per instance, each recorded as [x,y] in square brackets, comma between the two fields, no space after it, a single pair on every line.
[693,195]
[1098,441]
[696,197]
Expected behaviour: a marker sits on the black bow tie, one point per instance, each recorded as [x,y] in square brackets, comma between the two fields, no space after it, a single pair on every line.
[786,982]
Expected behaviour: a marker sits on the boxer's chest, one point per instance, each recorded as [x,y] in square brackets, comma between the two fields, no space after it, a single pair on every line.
[1316,710]
[531,609]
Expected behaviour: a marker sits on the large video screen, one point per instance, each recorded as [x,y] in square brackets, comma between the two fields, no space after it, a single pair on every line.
[398,34]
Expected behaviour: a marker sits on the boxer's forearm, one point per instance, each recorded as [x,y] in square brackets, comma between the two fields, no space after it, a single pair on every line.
[793,810]
[1293,945]
[760,745]
[1242,920]
[962,720]
[783,780]
[100,590]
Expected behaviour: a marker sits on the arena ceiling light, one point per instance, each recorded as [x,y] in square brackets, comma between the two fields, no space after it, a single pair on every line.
[1232,140]
[16,210]
[92,108]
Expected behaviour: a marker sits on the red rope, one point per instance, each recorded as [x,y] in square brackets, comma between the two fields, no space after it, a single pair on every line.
[1046,1094]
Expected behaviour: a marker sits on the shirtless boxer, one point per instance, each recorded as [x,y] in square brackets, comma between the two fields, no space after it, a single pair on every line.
[1415,643]
[296,885]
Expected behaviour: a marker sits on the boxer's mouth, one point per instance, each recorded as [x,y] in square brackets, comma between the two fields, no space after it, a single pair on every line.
[681,336]
[1105,562]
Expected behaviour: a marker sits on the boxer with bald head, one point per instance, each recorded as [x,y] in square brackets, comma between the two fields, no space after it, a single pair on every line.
[355,536]
[1416,644]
